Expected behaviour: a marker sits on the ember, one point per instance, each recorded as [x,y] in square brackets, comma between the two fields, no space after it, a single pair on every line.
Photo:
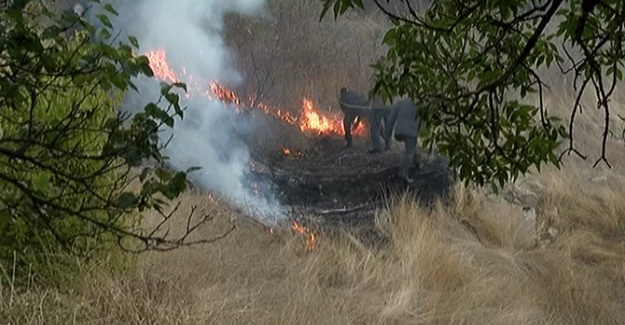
[310,120]
[311,238]
[288,152]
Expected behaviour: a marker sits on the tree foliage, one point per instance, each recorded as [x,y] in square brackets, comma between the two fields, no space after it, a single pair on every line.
[68,154]
[476,63]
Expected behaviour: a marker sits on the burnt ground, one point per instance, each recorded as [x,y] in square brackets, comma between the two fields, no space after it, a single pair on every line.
[345,186]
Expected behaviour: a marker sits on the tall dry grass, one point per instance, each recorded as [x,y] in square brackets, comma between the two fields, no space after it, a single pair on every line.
[478,261]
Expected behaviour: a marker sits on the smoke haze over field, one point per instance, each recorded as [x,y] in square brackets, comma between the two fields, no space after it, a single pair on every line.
[209,136]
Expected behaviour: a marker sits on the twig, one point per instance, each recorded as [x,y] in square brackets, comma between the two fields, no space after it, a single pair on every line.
[348,210]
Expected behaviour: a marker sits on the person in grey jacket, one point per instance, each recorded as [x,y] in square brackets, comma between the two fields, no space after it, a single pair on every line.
[353,105]
[380,114]
[403,122]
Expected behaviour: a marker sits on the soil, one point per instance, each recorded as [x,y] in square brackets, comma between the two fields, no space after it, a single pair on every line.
[347,185]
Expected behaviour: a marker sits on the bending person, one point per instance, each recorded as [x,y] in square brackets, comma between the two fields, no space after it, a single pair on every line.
[353,106]
[403,122]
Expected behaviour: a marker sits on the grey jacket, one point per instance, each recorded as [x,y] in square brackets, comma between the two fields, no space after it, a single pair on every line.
[376,101]
[353,104]
[403,119]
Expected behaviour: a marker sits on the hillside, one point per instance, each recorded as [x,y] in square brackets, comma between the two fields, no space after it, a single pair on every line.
[356,245]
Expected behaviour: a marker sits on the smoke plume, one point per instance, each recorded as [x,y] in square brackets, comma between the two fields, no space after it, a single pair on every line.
[210,134]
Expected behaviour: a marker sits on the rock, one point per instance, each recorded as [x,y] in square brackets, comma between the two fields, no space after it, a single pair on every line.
[520,196]
[530,214]
[553,232]
[599,179]
[534,186]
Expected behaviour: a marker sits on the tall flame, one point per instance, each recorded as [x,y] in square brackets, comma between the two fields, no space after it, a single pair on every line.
[158,63]
[310,119]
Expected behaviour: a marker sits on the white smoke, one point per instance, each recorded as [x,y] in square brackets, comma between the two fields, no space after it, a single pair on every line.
[190,31]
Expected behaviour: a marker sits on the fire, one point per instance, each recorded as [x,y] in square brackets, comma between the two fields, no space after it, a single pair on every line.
[224,94]
[313,121]
[311,238]
[310,119]
[288,152]
[158,63]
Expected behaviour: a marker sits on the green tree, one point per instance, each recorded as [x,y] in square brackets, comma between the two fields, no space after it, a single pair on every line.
[68,154]
[477,64]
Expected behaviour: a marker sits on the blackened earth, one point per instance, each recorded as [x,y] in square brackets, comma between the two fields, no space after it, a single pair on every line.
[345,186]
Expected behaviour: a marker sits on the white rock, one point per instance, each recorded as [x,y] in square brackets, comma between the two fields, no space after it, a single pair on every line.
[553,232]
[530,214]
[599,179]
[521,196]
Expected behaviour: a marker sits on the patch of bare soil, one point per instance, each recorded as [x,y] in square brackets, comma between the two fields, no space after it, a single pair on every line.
[333,184]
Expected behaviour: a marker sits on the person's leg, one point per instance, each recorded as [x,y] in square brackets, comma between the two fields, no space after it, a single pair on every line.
[347,128]
[410,146]
[386,113]
[374,130]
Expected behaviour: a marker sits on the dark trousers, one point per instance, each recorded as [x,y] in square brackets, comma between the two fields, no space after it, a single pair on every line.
[348,122]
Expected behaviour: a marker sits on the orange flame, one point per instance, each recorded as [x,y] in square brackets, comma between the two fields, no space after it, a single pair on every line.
[311,119]
[311,238]
[289,152]
[224,94]
[158,63]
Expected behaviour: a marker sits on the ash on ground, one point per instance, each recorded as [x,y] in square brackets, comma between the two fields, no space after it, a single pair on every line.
[333,184]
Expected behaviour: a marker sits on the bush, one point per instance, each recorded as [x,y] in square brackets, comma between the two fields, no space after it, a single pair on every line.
[35,239]
[66,154]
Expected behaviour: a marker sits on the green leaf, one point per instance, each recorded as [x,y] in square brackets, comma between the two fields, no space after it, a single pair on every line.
[180,85]
[133,40]
[51,32]
[105,20]
[163,174]
[108,7]
[326,6]
[165,88]
[337,8]
[192,169]
[42,181]
[144,174]
[127,200]
[104,34]
[5,219]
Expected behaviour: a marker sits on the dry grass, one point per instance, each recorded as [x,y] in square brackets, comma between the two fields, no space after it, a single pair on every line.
[478,262]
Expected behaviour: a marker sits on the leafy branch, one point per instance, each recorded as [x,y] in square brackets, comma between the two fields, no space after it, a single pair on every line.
[476,65]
